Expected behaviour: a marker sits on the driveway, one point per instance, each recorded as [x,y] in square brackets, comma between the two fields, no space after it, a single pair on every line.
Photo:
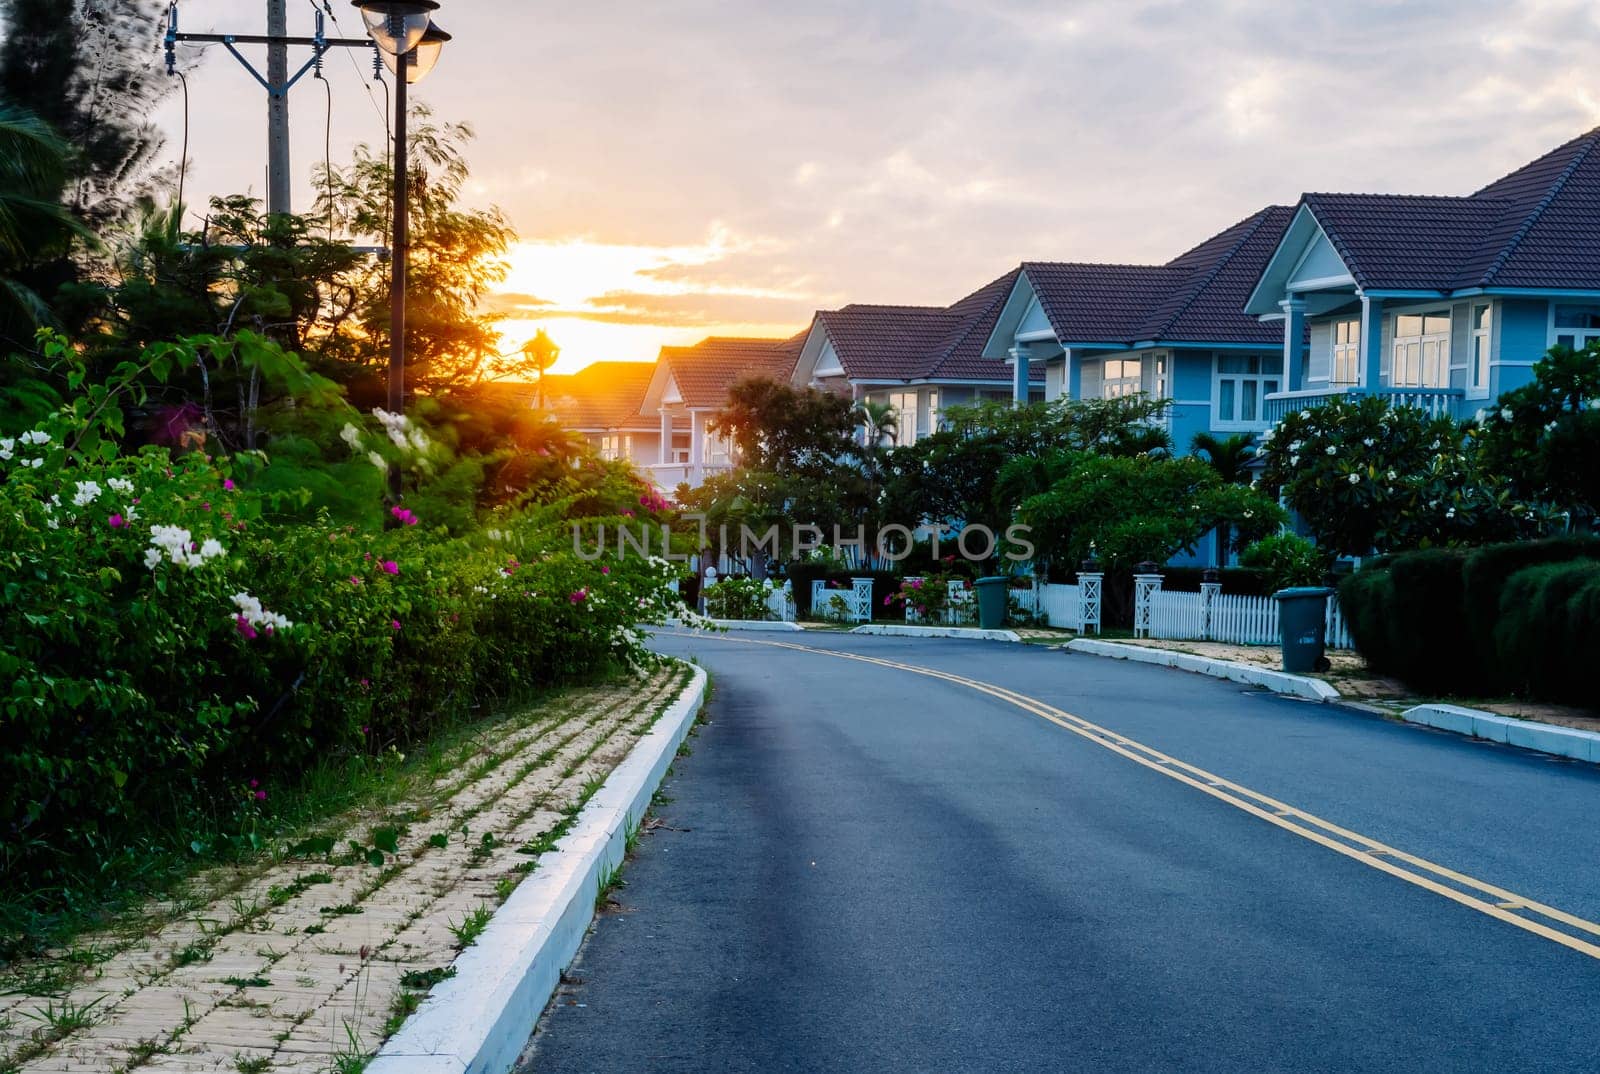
[878,859]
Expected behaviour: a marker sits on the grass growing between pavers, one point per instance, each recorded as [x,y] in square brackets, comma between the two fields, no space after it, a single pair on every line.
[307,956]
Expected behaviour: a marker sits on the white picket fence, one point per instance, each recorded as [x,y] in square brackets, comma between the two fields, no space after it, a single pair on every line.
[1213,616]
[959,607]
[854,604]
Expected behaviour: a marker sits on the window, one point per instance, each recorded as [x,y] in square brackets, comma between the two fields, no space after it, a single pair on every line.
[1122,376]
[1242,383]
[1482,341]
[905,417]
[1345,370]
[1576,326]
[1421,350]
[935,418]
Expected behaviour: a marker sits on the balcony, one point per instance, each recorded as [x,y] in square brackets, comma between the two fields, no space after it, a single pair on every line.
[1435,402]
[669,475]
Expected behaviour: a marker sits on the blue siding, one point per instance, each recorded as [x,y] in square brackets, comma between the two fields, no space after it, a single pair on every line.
[1191,383]
[1524,337]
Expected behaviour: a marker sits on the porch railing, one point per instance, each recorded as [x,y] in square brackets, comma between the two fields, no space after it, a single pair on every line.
[1434,402]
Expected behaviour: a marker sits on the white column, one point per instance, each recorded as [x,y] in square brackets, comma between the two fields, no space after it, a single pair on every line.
[1019,374]
[1294,335]
[1145,587]
[666,435]
[697,444]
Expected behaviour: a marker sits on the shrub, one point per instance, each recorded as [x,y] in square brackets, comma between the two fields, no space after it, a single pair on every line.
[739,598]
[1485,577]
[1549,623]
[1406,619]
[1243,581]
[1286,560]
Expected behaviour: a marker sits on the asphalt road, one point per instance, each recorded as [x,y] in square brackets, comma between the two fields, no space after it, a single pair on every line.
[866,869]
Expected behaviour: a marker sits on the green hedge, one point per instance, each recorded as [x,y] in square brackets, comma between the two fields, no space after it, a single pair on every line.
[1511,618]
[1549,624]
[1488,571]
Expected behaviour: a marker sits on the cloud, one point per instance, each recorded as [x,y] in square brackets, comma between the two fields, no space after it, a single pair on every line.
[513,302]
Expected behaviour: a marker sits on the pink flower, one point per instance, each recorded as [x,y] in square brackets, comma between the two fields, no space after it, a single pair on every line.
[228,485]
[117,522]
[394,624]
[887,601]
[404,515]
[627,514]
[364,685]
[242,625]
[261,796]
[605,570]
[579,596]
[390,567]
[205,507]
[364,727]
[354,580]
[254,783]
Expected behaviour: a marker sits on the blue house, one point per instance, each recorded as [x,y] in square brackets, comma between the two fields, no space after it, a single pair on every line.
[1436,302]
[1176,331]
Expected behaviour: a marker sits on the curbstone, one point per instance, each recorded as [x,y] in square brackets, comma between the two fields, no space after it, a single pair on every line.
[1526,734]
[896,630]
[478,1021]
[1279,682]
[742,624]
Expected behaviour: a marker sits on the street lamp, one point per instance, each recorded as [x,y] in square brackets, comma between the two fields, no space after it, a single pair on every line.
[542,352]
[404,30]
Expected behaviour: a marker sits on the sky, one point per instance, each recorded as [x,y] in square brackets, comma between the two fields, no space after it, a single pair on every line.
[682,169]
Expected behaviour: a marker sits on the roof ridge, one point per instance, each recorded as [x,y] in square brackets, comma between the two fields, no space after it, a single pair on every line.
[1000,296]
[1538,210]
[1216,267]
[1098,264]
[1390,196]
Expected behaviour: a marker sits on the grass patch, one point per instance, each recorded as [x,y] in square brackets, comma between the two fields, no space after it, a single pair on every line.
[247,982]
[470,927]
[423,980]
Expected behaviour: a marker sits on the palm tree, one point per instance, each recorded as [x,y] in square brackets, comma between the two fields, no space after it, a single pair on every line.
[1230,458]
[34,225]
[882,421]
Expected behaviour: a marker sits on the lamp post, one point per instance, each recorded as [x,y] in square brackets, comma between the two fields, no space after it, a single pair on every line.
[405,35]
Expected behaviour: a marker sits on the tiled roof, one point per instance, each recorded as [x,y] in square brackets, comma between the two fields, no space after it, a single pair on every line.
[1209,305]
[1405,241]
[922,342]
[1537,227]
[705,371]
[1094,303]
[603,395]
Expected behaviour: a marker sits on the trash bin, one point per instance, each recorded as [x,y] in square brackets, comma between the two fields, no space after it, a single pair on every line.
[1303,626]
[992,596]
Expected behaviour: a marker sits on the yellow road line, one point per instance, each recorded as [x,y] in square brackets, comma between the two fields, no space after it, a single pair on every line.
[1369,852]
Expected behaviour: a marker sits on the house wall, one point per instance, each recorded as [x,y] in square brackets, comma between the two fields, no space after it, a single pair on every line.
[1524,331]
[1190,390]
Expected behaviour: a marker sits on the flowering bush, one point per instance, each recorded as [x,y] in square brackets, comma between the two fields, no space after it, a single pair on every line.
[164,635]
[1365,476]
[927,597]
[739,598]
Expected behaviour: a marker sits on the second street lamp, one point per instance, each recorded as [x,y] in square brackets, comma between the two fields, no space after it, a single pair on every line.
[402,29]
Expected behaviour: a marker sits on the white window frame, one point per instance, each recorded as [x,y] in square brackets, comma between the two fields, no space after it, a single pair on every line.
[1124,383]
[1438,342]
[1480,349]
[1580,336]
[905,404]
[1346,351]
[1268,379]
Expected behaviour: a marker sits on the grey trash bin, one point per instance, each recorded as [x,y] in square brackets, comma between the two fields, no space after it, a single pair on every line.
[1303,626]
[993,594]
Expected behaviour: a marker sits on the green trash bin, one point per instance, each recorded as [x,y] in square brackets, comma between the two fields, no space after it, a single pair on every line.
[993,593]
[1303,626]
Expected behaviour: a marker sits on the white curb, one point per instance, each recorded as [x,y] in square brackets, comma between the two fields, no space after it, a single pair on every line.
[1279,682]
[1560,741]
[936,632]
[478,1021]
[741,624]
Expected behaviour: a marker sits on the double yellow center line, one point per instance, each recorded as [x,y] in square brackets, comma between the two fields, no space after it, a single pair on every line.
[1496,902]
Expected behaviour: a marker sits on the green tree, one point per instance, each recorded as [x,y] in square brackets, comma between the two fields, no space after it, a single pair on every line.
[1229,456]
[33,224]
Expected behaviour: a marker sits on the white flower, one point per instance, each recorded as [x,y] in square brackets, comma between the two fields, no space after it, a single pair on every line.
[88,492]
[1505,412]
[377,460]
[1296,445]
[418,440]
[36,436]
[152,557]
[211,548]
[1480,415]
[1390,475]
[251,611]
[1369,441]
[1268,434]
[120,484]
[53,523]
[1305,413]
[1450,513]
[1355,479]
[351,435]
[8,447]
[34,463]
[1331,450]
[1294,460]
[130,513]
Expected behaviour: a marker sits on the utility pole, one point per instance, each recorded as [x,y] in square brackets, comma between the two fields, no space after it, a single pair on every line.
[277,81]
[277,108]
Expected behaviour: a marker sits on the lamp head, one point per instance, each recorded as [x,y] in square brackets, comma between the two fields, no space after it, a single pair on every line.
[396,25]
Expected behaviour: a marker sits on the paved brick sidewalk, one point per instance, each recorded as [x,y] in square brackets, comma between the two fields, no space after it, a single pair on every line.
[307,964]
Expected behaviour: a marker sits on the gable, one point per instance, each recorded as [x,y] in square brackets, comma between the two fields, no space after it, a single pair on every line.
[1319,266]
[1034,322]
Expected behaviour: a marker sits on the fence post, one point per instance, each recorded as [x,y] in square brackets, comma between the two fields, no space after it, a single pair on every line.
[1210,590]
[1089,579]
[912,615]
[1146,584]
[861,589]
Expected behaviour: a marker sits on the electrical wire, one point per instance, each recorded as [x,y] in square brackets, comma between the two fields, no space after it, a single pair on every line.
[328,9]
[183,160]
[327,150]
